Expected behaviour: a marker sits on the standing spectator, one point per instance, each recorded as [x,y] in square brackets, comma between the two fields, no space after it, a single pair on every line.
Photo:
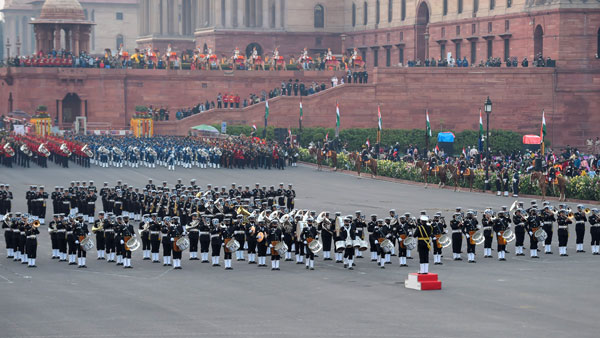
[219,100]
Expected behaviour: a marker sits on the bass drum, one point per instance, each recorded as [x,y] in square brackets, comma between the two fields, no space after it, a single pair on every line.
[478,237]
[315,246]
[132,244]
[410,243]
[508,235]
[183,243]
[281,248]
[233,245]
[541,235]
[340,246]
[387,246]
[87,244]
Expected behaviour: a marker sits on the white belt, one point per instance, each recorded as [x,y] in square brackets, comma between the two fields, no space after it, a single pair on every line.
[109,230]
[596,225]
[520,225]
[15,230]
[69,232]
[456,231]
[239,232]
[563,227]
[487,228]
[32,236]
[154,232]
[203,233]
[194,230]
[61,230]
[91,202]
[548,223]
[580,223]
[214,236]
[22,232]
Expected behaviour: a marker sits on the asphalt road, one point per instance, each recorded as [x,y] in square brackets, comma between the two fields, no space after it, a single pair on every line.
[550,297]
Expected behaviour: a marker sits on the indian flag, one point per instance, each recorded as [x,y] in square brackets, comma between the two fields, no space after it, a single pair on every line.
[254,127]
[368,144]
[428,131]
[337,113]
[266,109]
[543,130]
[480,125]
[327,137]
[378,118]
[301,114]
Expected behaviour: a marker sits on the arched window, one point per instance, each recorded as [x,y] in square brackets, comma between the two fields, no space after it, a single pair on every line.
[390,10]
[403,10]
[460,6]
[319,16]
[538,41]
[377,11]
[365,14]
[508,3]
[445,9]
[120,40]
[492,4]
[598,45]
[353,15]
[475,6]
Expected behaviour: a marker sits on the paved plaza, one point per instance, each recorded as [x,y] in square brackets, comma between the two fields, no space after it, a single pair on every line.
[550,297]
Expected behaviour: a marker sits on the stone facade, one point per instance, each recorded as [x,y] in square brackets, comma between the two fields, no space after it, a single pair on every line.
[569,97]
[106,31]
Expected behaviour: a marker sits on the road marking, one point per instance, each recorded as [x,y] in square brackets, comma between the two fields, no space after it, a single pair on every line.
[6,279]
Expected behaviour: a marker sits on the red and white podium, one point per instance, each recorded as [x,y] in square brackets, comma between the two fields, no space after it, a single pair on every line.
[427,281]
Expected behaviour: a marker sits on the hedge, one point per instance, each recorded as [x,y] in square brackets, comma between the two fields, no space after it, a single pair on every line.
[500,140]
[580,187]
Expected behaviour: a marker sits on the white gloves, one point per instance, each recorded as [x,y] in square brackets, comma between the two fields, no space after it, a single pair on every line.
[468,236]
[172,239]
[76,242]
[305,242]
[270,245]
[122,242]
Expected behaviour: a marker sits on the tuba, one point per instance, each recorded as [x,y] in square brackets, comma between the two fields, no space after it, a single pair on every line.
[87,151]
[43,150]
[65,149]
[9,150]
[117,151]
[25,149]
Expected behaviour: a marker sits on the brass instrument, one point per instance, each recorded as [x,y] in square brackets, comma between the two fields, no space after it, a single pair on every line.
[587,211]
[117,151]
[145,227]
[36,224]
[192,225]
[571,216]
[25,149]
[87,151]
[9,150]
[99,228]
[65,149]
[43,150]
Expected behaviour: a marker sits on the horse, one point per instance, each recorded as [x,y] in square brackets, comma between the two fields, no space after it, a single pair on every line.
[355,158]
[424,167]
[560,180]
[315,151]
[468,176]
[256,64]
[371,163]
[332,154]
[277,63]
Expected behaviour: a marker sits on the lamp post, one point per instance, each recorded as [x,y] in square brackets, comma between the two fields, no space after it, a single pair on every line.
[487,106]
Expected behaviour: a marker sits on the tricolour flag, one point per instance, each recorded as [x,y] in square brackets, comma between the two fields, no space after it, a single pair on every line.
[543,130]
[327,137]
[480,143]
[301,111]
[266,110]
[428,126]
[368,144]
[378,118]
[254,127]
[464,152]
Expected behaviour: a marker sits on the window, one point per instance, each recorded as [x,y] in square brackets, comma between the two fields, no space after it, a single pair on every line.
[475,6]
[473,52]
[492,4]
[401,55]
[319,16]
[403,10]
[120,40]
[388,57]
[458,50]
[457,30]
[365,14]
[401,36]
[460,6]
[377,11]
[473,28]
[363,54]
[119,15]
[489,27]
[598,45]
[353,15]
[506,25]
[443,31]
[443,51]
[375,57]
[490,48]
[445,7]
[273,14]
[390,10]
[508,3]
[506,49]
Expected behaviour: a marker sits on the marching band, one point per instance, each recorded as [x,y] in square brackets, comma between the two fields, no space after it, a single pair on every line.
[264,222]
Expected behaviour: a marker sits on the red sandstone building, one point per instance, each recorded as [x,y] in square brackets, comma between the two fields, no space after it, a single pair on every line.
[386,32]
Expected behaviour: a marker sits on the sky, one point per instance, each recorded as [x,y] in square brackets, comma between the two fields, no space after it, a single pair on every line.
[1,6]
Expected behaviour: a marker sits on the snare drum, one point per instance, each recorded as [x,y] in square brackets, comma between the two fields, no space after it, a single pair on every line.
[340,246]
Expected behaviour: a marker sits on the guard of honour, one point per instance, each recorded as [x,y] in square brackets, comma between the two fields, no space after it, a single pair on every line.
[264,222]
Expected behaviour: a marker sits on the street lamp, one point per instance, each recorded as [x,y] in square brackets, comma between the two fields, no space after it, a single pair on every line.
[487,107]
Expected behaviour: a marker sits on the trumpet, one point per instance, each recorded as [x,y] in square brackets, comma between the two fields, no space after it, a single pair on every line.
[36,224]
[587,211]
[571,216]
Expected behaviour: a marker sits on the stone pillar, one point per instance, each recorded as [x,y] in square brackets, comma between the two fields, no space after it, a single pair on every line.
[241,12]
[154,23]
[265,13]
[232,22]
[216,13]
[59,112]
[75,39]
[282,12]
[57,38]
[68,40]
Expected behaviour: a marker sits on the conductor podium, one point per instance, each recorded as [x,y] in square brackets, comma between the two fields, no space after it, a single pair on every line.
[427,281]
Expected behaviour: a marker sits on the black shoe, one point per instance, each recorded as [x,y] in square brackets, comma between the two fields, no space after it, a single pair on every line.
[409,258]
[350,268]
[288,259]
[373,260]
[393,255]
[277,269]
[535,257]
[204,262]
[566,255]
[459,259]
[580,250]
[471,261]
[165,264]
[177,268]
[403,265]
[230,268]
[339,261]
[24,262]
[216,264]
[388,262]
[596,253]
[548,253]
[502,259]
[360,257]
[299,263]
[146,259]
[312,268]
[53,257]
[307,267]
[436,263]
[327,259]
[345,266]
[251,262]
[155,262]
[272,269]
[382,267]
[80,266]
[72,263]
